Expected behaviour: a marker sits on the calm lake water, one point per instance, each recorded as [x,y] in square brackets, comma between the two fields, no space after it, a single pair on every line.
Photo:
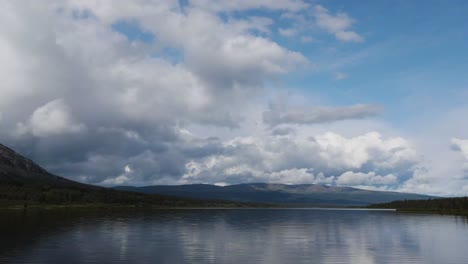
[231,236]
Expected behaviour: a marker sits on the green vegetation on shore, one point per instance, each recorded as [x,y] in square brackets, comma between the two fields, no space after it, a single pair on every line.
[457,205]
[35,196]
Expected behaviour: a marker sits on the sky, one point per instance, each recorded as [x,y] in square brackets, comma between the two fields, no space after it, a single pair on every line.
[367,94]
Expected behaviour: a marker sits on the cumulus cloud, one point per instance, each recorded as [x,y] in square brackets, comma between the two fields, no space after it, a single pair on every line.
[308,160]
[278,114]
[51,119]
[338,24]
[122,99]
[370,179]
[121,179]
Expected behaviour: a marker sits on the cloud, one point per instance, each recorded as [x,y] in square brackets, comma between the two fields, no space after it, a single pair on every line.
[239,5]
[460,145]
[278,114]
[122,100]
[51,119]
[287,32]
[337,25]
[283,131]
[124,178]
[370,179]
[358,160]
[119,180]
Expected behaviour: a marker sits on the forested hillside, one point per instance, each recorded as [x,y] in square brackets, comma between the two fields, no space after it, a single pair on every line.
[448,205]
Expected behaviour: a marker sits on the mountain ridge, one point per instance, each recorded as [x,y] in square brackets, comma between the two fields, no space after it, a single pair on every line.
[278,193]
[17,170]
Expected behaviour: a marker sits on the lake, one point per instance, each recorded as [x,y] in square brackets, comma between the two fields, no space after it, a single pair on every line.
[231,236]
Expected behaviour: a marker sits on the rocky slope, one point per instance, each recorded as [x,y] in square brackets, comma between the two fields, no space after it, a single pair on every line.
[17,169]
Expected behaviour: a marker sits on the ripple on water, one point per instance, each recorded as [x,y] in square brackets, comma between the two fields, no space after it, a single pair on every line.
[232,236]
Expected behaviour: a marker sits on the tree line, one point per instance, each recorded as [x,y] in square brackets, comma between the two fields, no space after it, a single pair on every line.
[459,204]
[46,194]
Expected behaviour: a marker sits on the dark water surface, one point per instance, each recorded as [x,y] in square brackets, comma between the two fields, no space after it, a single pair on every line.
[231,236]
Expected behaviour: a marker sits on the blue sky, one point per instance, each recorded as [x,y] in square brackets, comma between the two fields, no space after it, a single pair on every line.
[411,52]
[369,94]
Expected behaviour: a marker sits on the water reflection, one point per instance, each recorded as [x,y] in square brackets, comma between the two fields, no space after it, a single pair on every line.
[231,236]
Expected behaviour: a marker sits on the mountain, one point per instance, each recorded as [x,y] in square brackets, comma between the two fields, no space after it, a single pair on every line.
[18,170]
[24,182]
[306,194]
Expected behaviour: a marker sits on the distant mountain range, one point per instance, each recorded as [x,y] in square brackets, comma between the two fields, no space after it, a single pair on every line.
[306,194]
[23,180]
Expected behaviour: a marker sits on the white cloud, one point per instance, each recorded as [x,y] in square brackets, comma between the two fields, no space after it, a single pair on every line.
[359,178]
[337,25]
[127,169]
[245,52]
[444,170]
[119,180]
[50,119]
[295,159]
[123,178]
[222,64]
[461,145]
[368,149]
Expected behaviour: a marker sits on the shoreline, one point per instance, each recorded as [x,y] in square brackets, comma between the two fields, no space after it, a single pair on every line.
[18,207]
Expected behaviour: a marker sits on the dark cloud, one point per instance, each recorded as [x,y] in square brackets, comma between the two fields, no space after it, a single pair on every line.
[283,131]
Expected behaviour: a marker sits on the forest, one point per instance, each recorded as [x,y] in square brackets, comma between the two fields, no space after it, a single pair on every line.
[442,205]
[37,195]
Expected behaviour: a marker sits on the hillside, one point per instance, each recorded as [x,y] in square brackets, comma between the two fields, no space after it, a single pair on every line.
[308,194]
[24,182]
